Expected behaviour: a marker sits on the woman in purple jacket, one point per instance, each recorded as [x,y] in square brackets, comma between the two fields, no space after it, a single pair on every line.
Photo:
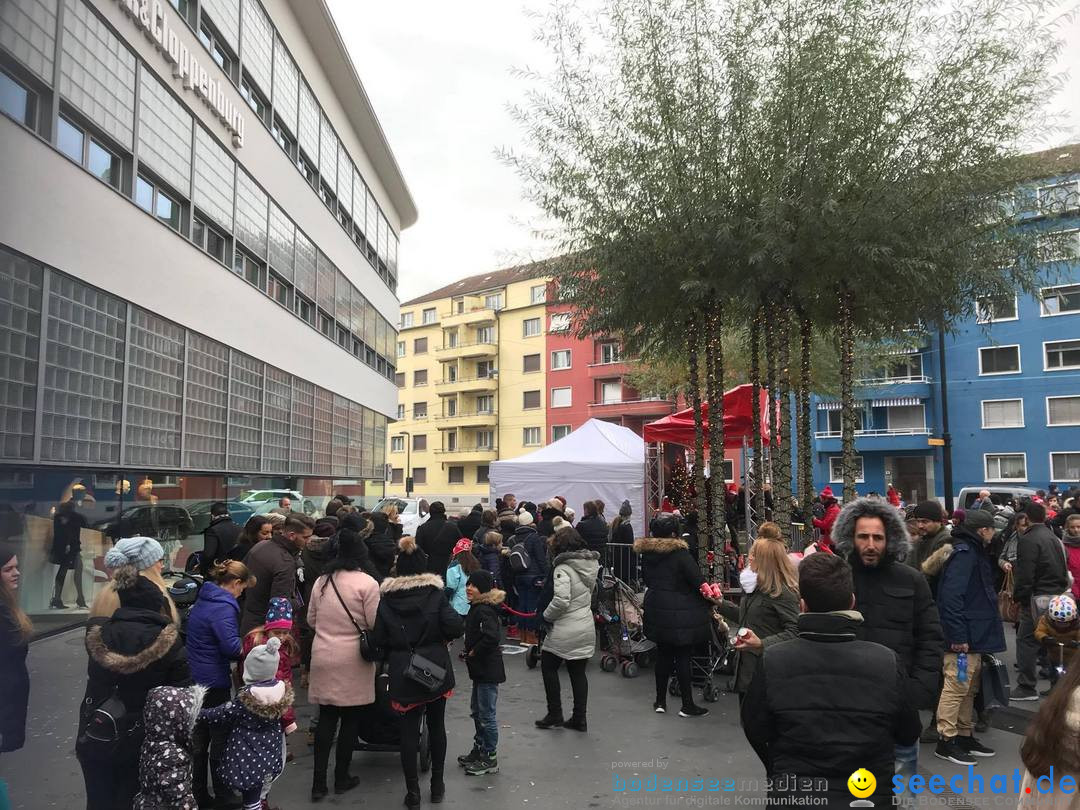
[213,643]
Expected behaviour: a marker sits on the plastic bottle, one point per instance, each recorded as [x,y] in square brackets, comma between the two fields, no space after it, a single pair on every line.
[961,667]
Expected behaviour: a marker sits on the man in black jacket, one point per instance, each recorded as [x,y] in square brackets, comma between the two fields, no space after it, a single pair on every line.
[273,563]
[219,538]
[894,599]
[469,524]
[1041,573]
[826,704]
[437,537]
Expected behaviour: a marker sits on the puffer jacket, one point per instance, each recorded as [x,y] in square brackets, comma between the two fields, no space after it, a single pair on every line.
[382,548]
[895,602]
[456,580]
[165,761]
[255,749]
[1040,568]
[675,611]
[213,636]
[490,558]
[414,615]
[483,638]
[536,548]
[573,633]
[219,539]
[825,524]
[772,618]
[594,531]
[966,599]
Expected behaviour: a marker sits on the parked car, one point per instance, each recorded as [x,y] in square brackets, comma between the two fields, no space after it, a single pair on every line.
[999,493]
[200,513]
[266,500]
[165,523]
[408,509]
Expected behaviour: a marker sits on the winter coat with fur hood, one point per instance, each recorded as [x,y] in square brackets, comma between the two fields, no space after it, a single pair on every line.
[894,599]
[675,611]
[966,599]
[927,548]
[483,638]
[255,749]
[165,761]
[573,580]
[414,615]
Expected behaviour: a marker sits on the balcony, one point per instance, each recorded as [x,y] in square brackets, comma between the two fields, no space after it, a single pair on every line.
[447,354]
[635,407]
[465,385]
[868,441]
[616,369]
[469,454]
[466,420]
[472,316]
[918,387]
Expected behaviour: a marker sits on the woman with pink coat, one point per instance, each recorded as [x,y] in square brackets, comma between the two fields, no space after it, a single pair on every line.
[343,601]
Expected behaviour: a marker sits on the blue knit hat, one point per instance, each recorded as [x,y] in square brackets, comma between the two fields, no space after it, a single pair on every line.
[279,614]
[141,552]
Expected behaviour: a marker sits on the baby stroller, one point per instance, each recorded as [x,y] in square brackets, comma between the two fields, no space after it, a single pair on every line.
[380,725]
[184,589]
[619,624]
[715,657]
[532,655]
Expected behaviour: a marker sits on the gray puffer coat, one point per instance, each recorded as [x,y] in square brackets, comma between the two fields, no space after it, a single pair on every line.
[573,635]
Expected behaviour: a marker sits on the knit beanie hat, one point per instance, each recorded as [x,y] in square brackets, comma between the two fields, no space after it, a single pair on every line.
[141,552]
[525,519]
[324,529]
[625,510]
[929,510]
[135,591]
[411,559]
[261,663]
[482,580]
[978,519]
[279,614]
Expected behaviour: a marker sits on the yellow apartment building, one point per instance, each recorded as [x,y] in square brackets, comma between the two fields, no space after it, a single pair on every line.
[471,384]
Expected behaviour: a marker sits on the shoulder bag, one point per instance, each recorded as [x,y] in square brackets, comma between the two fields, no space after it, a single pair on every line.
[421,670]
[1007,608]
[367,649]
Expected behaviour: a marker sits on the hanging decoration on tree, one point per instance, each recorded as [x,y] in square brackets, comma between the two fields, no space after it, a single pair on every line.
[678,488]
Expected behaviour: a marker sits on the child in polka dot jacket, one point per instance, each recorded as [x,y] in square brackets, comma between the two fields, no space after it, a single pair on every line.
[255,752]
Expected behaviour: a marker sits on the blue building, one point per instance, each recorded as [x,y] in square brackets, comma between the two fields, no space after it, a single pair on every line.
[1013,378]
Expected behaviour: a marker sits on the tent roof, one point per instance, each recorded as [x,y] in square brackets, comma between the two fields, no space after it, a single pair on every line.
[738,420]
[596,451]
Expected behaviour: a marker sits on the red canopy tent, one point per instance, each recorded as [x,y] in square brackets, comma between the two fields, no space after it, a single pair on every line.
[738,421]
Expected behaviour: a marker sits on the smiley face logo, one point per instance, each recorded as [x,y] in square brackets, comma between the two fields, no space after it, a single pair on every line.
[861,783]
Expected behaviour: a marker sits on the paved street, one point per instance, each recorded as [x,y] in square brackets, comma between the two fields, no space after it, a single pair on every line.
[539,769]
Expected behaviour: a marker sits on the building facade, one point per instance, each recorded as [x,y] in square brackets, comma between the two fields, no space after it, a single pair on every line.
[489,368]
[198,265]
[1013,377]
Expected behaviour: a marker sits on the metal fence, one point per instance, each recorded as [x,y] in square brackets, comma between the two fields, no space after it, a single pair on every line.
[624,563]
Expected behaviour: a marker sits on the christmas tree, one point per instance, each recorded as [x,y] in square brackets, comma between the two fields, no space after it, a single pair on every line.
[678,488]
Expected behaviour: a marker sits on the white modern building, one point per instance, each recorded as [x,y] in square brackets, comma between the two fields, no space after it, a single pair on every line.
[198,263]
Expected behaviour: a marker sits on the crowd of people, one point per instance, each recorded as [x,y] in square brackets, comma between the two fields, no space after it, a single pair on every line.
[840,645]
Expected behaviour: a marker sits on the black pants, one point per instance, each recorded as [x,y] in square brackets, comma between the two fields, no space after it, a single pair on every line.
[346,741]
[669,659]
[579,684]
[70,564]
[110,785]
[207,744]
[410,740]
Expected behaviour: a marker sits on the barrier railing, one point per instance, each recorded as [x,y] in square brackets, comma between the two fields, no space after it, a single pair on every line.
[621,560]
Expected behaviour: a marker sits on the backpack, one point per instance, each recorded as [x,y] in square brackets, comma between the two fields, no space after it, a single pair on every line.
[104,729]
[519,559]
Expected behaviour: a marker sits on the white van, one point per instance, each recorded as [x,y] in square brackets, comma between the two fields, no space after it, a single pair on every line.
[999,493]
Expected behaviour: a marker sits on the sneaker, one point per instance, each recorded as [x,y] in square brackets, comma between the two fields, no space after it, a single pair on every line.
[952,751]
[577,724]
[549,721]
[974,747]
[659,707]
[467,759]
[1023,693]
[487,763]
[693,711]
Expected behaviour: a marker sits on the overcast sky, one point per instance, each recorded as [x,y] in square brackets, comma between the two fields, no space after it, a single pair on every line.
[439,77]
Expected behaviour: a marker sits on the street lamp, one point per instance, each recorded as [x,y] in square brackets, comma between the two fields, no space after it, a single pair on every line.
[408,459]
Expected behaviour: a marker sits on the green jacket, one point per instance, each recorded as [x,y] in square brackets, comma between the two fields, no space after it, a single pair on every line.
[772,618]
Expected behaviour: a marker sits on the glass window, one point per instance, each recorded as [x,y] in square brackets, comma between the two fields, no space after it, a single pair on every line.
[167,210]
[1065,467]
[560,322]
[420,376]
[450,407]
[419,442]
[208,238]
[164,143]
[485,369]
[531,436]
[1059,199]
[304,309]
[253,271]
[493,301]
[485,404]
[397,475]
[610,392]
[450,441]
[419,475]
[1060,300]
[904,368]
[450,339]
[218,51]
[561,397]
[1062,354]
[483,471]
[1058,246]
[999,360]
[429,315]
[455,475]
[420,346]
[559,432]
[215,180]
[69,139]
[419,410]
[1062,411]
[610,353]
[560,359]
[400,411]
[530,327]
[401,348]
[531,362]
[451,373]
[1002,413]
[836,470]
[1006,467]
[144,194]
[151,198]
[17,101]
[531,399]
[538,294]
[485,439]
[988,310]
[279,290]
[485,334]
[399,379]
[406,320]
[251,214]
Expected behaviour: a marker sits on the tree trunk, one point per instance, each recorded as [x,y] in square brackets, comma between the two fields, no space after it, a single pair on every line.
[769,325]
[806,462]
[755,405]
[693,344]
[848,415]
[715,392]
[782,483]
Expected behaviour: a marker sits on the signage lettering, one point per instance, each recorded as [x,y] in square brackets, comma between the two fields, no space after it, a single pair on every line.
[151,17]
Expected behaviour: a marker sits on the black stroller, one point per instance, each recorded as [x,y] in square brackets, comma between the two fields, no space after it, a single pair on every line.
[380,725]
[715,657]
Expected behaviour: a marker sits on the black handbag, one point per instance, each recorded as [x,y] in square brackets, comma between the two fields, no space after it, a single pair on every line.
[367,649]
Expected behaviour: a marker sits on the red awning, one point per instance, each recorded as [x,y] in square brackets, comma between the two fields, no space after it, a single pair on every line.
[738,420]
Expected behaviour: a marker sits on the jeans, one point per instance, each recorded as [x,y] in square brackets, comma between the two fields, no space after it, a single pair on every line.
[482,711]
[1027,648]
[346,741]
[906,763]
[61,574]
[955,712]
[579,684]
[670,658]
[528,595]
[435,711]
[207,744]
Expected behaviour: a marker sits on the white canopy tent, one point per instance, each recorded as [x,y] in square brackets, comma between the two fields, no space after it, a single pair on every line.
[598,460]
